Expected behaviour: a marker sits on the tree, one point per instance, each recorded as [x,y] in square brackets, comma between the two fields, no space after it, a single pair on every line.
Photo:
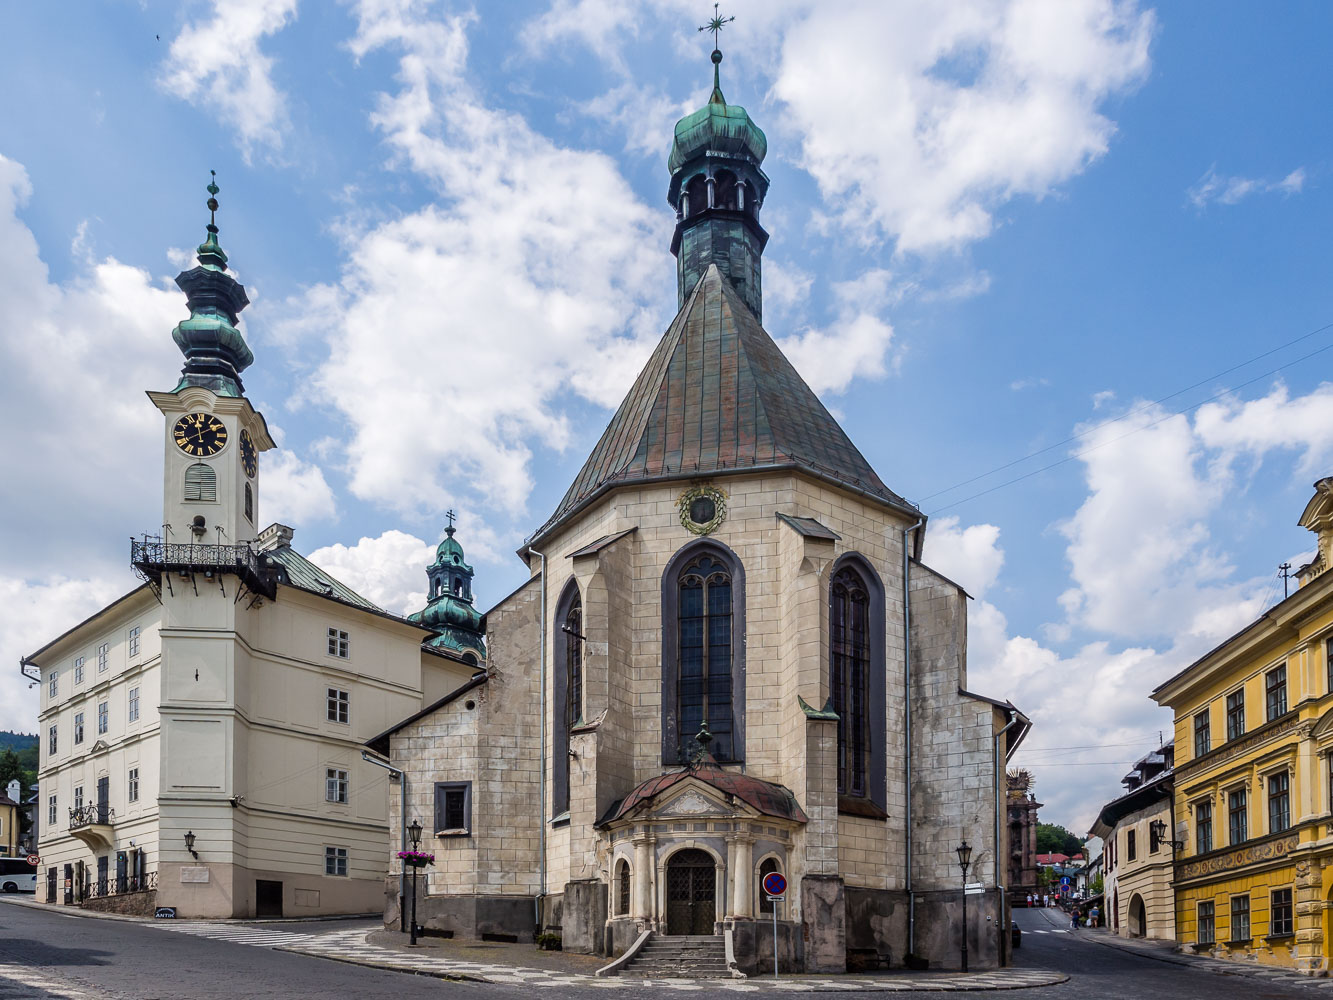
[1055,839]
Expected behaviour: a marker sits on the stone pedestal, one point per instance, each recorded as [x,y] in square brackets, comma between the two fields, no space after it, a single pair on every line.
[824,923]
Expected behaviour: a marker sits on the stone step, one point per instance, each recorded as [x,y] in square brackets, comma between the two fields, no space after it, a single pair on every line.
[694,956]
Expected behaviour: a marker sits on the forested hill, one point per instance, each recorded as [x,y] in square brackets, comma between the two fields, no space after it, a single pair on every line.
[17,742]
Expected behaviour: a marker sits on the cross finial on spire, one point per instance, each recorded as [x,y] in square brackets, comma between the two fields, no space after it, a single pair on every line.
[213,190]
[210,252]
[451,516]
[716,24]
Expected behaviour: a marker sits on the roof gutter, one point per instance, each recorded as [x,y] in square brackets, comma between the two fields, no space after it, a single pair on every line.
[541,771]
[907,729]
[370,758]
[1001,858]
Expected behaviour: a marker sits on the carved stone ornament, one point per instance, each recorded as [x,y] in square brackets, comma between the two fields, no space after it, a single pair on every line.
[689,804]
[1240,858]
[702,509]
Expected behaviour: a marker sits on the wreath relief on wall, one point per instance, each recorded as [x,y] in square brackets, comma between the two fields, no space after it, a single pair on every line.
[702,509]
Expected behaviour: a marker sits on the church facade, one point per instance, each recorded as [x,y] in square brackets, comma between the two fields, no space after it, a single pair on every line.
[729,660]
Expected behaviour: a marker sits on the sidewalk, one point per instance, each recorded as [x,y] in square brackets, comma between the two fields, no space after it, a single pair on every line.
[1165,951]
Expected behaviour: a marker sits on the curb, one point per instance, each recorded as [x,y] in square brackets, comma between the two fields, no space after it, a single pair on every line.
[452,977]
[64,910]
[1217,967]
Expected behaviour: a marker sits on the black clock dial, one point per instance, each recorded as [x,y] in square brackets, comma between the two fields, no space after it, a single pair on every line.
[200,434]
[249,457]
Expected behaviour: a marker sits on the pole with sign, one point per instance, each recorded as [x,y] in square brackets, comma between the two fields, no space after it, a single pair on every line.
[34,860]
[774,887]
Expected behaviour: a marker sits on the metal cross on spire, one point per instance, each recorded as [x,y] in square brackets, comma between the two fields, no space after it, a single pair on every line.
[716,23]
[451,516]
[213,190]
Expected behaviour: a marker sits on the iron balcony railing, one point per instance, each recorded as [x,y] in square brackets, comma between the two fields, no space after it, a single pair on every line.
[93,814]
[152,557]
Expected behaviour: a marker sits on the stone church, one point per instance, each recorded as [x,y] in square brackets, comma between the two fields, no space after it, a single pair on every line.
[729,660]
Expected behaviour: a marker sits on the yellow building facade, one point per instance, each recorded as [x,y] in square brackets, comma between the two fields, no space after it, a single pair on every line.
[1253,804]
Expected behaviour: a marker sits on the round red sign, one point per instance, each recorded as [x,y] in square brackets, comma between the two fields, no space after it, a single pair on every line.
[34,860]
[775,884]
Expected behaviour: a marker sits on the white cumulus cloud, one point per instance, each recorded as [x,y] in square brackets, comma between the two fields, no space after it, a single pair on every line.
[389,570]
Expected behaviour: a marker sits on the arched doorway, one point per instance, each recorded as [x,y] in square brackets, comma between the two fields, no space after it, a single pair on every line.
[691,885]
[1138,917]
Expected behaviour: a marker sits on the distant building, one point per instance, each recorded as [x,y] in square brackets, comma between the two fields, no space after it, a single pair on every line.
[1254,777]
[1136,829]
[1022,808]
[10,806]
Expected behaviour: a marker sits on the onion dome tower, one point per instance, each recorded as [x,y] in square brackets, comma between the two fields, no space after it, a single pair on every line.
[717,189]
[215,352]
[449,606]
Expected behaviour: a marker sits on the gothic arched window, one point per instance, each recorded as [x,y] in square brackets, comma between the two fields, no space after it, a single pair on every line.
[856,680]
[567,705]
[703,603]
[201,483]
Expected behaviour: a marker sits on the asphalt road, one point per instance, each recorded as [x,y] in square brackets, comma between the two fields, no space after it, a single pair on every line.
[90,959]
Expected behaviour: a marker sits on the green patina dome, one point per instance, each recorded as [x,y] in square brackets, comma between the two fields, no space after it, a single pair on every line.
[449,607]
[717,126]
[450,553]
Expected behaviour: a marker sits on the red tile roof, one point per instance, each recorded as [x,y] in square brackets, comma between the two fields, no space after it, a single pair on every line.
[768,798]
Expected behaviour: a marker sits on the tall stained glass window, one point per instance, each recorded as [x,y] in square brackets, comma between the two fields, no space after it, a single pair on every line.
[849,677]
[704,653]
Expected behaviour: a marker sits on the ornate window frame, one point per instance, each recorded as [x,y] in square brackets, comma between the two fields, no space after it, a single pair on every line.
[672,738]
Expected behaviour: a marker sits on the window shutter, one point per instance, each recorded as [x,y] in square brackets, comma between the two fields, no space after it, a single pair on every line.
[201,483]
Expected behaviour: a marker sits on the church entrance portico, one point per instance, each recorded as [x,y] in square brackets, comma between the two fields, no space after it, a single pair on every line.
[692,878]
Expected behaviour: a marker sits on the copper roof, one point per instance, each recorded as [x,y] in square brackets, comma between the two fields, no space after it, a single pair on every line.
[766,797]
[718,396]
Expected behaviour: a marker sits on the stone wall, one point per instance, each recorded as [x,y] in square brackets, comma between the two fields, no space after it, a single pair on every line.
[132,904]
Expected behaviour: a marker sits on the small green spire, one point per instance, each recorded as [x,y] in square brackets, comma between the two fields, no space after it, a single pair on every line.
[715,24]
[210,252]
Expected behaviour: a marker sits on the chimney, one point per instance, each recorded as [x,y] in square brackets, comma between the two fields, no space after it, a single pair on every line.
[275,536]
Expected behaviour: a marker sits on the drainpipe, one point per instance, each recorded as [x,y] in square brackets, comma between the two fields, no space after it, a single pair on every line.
[907,731]
[1001,807]
[541,818]
[402,876]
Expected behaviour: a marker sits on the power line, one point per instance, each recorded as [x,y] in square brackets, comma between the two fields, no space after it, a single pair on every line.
[1136,430]
[1086,746]
[1145,406]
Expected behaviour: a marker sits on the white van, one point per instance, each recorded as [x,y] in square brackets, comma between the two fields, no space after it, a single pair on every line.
[16,875]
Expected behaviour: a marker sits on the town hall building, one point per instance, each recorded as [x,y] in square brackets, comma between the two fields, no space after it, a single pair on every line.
[729,660]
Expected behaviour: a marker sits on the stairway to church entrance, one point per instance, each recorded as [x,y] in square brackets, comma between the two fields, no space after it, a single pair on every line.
[691,883]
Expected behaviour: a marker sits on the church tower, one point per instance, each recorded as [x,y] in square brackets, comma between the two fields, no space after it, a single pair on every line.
[213,435]
[716,189]
[449,602]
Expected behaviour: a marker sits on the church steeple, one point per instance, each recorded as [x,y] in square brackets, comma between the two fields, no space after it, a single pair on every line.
[215,352]
[716,189]
[449,600]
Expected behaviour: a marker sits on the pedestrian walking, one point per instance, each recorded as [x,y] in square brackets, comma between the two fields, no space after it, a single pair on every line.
[1073,920]
[1093,914]
[1029,900]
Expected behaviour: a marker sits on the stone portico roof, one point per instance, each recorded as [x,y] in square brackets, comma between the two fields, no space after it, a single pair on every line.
[766,797]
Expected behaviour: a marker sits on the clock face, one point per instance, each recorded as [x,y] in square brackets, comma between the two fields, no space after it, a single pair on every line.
[200,434]
[249,457]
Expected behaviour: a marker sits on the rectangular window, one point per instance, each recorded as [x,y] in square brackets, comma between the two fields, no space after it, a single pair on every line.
[335,785]
[1279,802]
[78,728]
[338,644]
[1275,689]
[1153,841]
[103,657]
[1236,715]
[1279,914]
[1202,734]
[453,808]
[103,717]
[1130,847]
[335,861]
[1237,824]
[78,670]
[1203,827]
[78,797]
[134,705]
[53,686]
[51,741]
[1240,918]
[134,641]
[1207,928]
[51,811]
[338,705]
[132,784]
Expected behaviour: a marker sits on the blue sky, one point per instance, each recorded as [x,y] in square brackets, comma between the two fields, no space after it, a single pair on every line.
[995,227]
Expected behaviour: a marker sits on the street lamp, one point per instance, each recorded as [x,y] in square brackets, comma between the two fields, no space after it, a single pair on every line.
[964,862]
[189,845]
[414,831]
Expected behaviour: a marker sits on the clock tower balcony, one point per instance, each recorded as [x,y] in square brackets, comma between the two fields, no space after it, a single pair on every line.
[157,562]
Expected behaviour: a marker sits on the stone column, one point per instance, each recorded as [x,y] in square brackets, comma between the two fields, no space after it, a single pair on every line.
[643,867]
[730,907]
[742,868]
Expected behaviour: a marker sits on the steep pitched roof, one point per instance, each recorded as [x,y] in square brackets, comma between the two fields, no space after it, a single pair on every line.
[718,396]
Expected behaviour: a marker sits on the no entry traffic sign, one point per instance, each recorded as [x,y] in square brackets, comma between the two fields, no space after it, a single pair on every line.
[775,884]
[34,860]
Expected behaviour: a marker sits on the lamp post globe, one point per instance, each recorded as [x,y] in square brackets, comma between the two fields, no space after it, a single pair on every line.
[414,831]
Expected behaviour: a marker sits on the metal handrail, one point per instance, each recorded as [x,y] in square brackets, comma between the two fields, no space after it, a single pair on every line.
[120,885]
[98,813]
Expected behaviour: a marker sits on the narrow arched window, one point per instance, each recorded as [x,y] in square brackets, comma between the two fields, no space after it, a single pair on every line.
[769,866]
[704,635]
[201,483]
[567,703]
[724,195]
[249,504]
[622,889]
[696,192]
[849,678]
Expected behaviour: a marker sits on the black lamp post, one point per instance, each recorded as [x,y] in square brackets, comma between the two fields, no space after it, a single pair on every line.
[964,862]
[189,845]
[414,831]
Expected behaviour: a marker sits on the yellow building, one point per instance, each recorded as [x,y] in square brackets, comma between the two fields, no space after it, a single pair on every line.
[9,826]
[1254,778]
